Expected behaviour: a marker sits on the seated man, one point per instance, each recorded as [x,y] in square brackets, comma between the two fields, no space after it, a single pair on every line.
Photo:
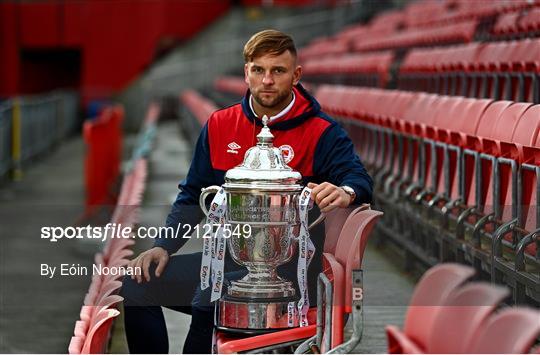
[311,142]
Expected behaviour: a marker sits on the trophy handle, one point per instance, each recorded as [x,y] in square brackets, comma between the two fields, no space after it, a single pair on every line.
[205,191]
[321,218]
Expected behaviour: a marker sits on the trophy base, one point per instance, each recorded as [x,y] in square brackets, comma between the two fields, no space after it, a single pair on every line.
[246,289]
[256,316]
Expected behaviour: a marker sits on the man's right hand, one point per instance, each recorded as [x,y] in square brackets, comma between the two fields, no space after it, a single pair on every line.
[157,255]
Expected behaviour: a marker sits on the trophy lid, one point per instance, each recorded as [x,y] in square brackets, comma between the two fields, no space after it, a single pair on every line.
[263,166]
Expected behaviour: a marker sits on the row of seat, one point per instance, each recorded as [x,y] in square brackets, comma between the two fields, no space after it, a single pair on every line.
[460,32]
[201,107]
[360,39]
[446,163]
[518,22]
[426,13]
[499,70]
[324,46]
[424,23]
[448,315]
[506,55]
[92,331]
[231,84]
[351,69]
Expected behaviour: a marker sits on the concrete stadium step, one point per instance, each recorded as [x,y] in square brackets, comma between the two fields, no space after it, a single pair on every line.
[37,313]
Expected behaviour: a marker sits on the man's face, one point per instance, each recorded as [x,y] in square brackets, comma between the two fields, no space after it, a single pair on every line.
[270,78]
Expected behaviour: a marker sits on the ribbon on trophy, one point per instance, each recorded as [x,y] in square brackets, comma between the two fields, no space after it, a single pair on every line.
[213,255]
[306,249]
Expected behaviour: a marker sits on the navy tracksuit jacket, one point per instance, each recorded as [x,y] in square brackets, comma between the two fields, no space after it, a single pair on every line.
[313,144]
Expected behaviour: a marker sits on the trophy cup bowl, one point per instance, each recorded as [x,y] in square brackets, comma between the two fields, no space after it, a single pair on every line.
[274,227]
[262,192]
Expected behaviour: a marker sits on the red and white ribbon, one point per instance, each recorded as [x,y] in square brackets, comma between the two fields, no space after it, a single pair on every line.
[214,246]
[306,249]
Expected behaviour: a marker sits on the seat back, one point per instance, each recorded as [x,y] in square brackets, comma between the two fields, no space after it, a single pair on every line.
[336,274]
[97,338]
[335,220]
[511,331]
[489,118]
[504,126]
[465,311]
[527,128]
[75,345]
[352,244]
[430,293]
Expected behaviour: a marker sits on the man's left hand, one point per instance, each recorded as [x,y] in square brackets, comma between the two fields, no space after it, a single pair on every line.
[328,196]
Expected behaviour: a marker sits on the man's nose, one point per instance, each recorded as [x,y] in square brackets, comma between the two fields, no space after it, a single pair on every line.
[268,79]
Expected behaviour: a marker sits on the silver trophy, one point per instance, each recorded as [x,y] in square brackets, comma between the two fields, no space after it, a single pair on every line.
[262,192]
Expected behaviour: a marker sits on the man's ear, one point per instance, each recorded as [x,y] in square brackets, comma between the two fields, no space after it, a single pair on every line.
[246,69]
[297,74]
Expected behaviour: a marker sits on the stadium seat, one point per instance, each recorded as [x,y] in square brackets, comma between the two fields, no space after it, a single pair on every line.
[335,220]
[430,293]
[75,345]
[349,253]
[527,128]
[507,23]
[462,315]
[98,335]
[511,331]
[530,22]
[81,327]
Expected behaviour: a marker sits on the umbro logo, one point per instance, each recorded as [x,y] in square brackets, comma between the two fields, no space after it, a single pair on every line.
[233,148]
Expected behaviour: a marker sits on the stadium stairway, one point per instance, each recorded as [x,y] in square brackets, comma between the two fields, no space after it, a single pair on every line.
[168,164]
[51,194]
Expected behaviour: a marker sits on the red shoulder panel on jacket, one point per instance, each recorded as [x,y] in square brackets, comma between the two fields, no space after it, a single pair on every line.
[231,134]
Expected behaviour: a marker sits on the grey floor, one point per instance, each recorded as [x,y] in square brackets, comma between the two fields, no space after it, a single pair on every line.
[37,314]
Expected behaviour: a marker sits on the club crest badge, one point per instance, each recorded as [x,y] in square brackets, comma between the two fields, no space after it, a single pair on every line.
[287,152]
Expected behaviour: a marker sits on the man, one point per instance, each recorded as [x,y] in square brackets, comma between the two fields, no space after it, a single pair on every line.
[312,144]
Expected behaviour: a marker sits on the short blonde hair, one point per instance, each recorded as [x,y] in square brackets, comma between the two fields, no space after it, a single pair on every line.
[268,42]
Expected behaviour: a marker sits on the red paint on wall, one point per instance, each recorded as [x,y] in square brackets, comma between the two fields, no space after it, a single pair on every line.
[9,60]
[39,24]
[116,40]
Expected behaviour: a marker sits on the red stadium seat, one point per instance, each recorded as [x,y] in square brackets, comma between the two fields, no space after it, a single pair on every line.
[75,345]
[349,254]
[512,331]
[98,335]
[504,126]
[469,120]
[506,23]
[81,328]
[531,20]
[528,127]
[335,220]
[487,122]
[351,246]
[430,293]
[233,85]
[464,313]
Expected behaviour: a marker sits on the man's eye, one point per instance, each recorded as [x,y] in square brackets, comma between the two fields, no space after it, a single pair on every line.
[257,70]
[279,71]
